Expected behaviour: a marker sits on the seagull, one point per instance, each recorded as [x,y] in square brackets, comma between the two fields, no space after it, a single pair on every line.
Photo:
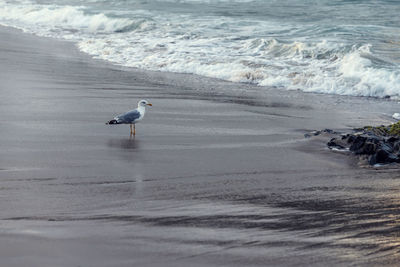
[132,117]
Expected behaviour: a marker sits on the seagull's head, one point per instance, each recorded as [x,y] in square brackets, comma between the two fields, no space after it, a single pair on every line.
[143,103]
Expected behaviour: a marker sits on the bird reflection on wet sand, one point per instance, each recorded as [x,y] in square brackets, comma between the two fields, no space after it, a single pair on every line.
[125,143]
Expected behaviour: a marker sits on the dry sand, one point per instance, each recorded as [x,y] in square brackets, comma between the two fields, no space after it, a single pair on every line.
[219,174]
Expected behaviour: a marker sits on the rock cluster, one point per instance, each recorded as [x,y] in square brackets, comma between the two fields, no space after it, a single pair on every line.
[315,133]
[379,145]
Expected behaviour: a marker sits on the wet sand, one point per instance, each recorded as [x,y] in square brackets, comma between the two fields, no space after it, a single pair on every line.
[219,174]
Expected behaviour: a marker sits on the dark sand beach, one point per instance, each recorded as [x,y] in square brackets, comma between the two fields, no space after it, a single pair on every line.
[219,174]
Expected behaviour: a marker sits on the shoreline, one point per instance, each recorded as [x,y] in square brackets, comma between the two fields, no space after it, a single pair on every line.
[207,87]
[213,177]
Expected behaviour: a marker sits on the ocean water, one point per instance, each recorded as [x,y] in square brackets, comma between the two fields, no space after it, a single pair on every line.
[327,46]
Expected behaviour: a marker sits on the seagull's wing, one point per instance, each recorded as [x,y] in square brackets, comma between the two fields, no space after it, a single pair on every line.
[129,117]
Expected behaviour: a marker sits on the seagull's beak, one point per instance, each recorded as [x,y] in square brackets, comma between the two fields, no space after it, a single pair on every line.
[150,104]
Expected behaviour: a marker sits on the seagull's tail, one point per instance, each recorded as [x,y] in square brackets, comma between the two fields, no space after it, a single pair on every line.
[114,121]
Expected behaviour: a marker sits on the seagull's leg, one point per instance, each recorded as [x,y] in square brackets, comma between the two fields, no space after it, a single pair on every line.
[134,129]
[131,128]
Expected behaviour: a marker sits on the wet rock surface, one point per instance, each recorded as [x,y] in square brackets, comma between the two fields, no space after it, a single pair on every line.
[376,145]
[316,133]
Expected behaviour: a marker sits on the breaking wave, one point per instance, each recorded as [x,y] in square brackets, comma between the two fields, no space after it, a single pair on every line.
[224,47]
[51,17]
[320,67]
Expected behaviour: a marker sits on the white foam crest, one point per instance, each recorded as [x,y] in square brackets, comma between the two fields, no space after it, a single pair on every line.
[321,67]
[218,47]
[368,80]
[29,16]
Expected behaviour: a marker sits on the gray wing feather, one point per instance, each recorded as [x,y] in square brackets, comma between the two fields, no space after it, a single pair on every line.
[128,117]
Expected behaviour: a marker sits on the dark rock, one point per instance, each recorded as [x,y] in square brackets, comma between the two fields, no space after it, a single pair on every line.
[337,143]
[396,146]
[381,156]
[350,138]
[358,143]
[329,131]
[312,133]
[333,143]
[372,143]
[392,139]
[373,139]
[393,158]
[387,147]
[316,133]
[372,160]
[368,148]
[377,145]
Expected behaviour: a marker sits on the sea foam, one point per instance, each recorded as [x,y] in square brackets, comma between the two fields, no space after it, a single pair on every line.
[319,67]
[259,52]
[43,18]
